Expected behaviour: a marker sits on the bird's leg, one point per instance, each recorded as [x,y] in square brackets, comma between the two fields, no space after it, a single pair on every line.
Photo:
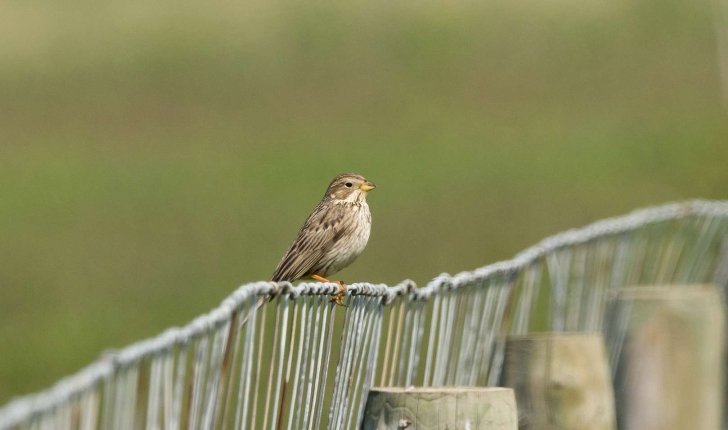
[320,278]
[338,298]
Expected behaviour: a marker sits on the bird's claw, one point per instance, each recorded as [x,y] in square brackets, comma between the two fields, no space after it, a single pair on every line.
[338,298]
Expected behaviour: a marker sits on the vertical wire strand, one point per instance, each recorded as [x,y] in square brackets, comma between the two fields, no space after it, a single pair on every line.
[397,338]
[458,334]
[524,301]
[448,350]
[90,409]
[353,340]
[617,274]
[295,344]
[276,411]
[325,368]
[119,388]
[272,364]
[295,402]
[498,343]
[575,288]
[471,340]
[355,348]
[263,303]
[674,249]
[107,411]
[581,278]
[438,378]
[373,354]
[63,416]
[481,359]
[343,351]
[631,268]
[198,377]
[535,279]
[656,237]
[431,342]
[119,399]
[179,386]
[639,254]
[390,333]
[130,396]
[155,382]
[406,337]
[621,325]
[597,307]
[424,303]
[362,353]
[698,272]
[317,381]
[303,353]
[414,347]
[720,274]
[558,264]
[356,357]
[167,388]
[310,394]
[246,366]
[464,366]
[233,377]
[217,356]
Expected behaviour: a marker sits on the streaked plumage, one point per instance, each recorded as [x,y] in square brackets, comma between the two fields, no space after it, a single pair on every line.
[334,234]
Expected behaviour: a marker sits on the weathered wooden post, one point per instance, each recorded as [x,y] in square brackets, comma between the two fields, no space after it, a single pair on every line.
[452,408]
[670,374]
[561,381]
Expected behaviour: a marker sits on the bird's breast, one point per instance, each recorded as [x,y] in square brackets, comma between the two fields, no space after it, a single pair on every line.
[351,243]
[358,232]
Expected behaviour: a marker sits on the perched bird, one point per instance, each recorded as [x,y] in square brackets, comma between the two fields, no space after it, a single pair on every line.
[333,236]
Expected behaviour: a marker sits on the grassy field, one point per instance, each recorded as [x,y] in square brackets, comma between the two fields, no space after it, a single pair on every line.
[154,156]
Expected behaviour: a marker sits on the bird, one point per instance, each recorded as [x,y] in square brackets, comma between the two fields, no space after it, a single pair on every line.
[333,236]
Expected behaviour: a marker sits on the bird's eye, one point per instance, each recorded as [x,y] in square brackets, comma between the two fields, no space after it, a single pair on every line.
[348,184]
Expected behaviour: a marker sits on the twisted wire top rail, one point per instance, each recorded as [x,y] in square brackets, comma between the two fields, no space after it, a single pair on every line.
[66,389]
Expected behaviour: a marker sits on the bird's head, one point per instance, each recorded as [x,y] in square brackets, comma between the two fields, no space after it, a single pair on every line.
[349,187]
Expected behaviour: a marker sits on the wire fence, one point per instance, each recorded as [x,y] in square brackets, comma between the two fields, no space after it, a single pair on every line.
[300,362]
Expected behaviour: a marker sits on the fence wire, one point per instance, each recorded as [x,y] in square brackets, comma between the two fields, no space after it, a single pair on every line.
[300,362]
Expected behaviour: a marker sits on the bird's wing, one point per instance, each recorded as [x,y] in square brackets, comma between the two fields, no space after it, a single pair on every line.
[317,235]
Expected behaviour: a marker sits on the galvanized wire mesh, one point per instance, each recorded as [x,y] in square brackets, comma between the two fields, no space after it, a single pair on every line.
[299,362]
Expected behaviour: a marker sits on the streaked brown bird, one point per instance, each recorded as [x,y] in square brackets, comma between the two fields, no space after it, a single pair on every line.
[333,236]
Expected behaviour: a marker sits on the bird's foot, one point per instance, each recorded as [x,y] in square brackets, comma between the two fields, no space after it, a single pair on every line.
[338,298]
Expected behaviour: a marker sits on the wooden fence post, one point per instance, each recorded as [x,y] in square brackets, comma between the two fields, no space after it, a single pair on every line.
[453,408]
[561,381]
[670,374]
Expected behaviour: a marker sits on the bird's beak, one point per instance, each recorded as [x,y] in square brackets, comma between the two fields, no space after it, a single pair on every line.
[367,186]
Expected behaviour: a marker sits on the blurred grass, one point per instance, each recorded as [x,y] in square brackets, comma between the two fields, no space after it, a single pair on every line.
[154,156]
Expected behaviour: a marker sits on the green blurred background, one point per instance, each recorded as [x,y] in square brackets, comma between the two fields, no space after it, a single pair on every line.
[156,155]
